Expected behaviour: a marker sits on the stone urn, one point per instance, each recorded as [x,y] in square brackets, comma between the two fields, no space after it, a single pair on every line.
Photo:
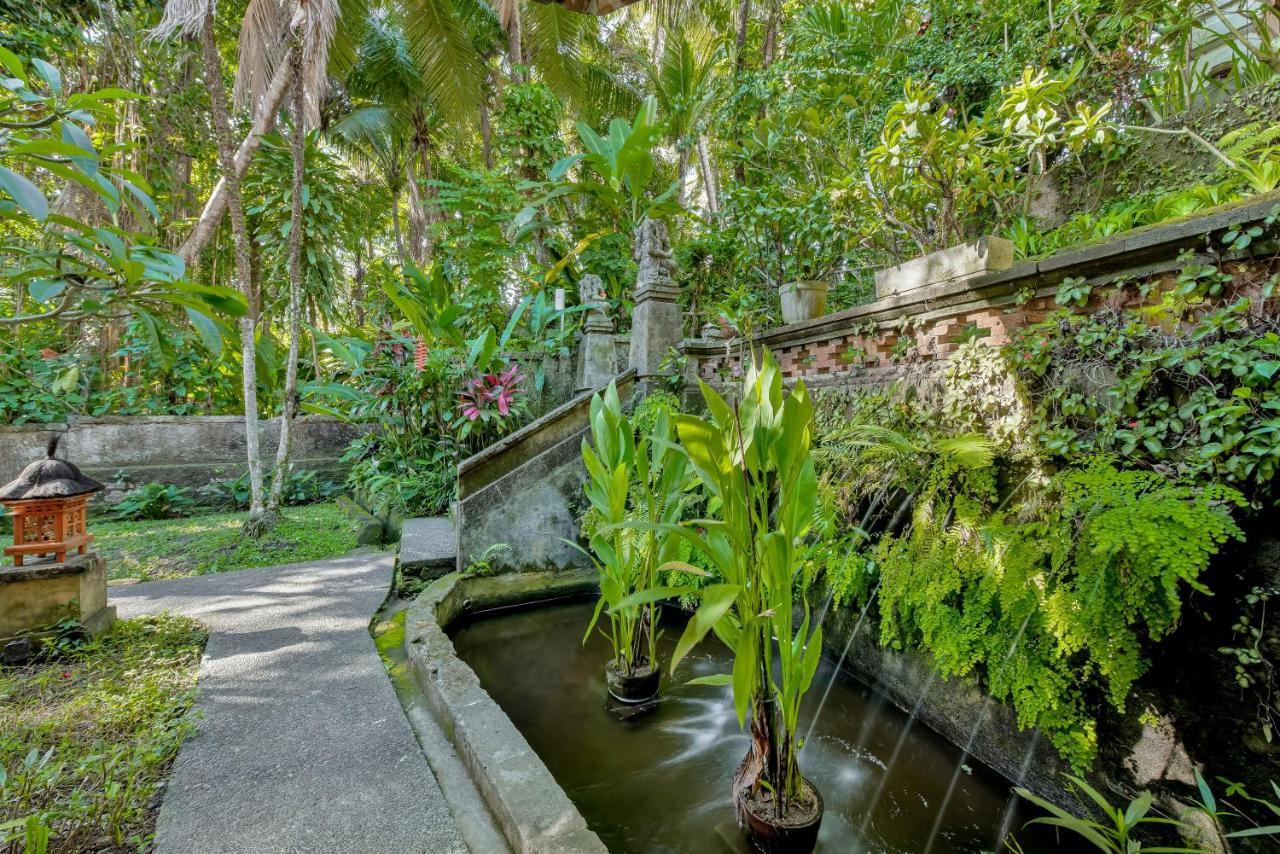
[804,300]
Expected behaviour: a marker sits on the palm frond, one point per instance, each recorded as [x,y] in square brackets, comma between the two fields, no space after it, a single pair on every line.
[354,19]
[439,40]
[554,40]
[385,69]
[314,22]
[180,18]
[605,96]
[263,39]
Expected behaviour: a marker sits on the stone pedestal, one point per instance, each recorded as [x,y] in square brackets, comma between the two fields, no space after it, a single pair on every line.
[657,323]
[38,596]
[656,327]
[597,354]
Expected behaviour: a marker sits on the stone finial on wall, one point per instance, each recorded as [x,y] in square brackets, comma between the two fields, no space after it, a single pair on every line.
[656,322]
[597,355]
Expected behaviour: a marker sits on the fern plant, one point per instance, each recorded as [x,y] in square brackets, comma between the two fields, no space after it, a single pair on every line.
[1255,150]
[1053,609]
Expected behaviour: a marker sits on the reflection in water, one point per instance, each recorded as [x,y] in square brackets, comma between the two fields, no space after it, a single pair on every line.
[658,780]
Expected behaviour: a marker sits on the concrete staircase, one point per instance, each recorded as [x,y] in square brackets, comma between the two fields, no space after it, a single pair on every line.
[525,491]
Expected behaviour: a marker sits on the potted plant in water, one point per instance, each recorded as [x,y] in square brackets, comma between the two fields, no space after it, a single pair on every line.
[630,481]
[754,461]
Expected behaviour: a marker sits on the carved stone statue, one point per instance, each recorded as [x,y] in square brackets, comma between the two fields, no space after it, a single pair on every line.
[653,253]
[597,355]
[657,324]
[591,292]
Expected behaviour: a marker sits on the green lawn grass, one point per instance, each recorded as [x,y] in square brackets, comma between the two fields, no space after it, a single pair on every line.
[176,548]
[87,737]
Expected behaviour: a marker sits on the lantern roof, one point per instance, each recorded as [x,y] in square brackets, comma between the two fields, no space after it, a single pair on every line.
[51,477]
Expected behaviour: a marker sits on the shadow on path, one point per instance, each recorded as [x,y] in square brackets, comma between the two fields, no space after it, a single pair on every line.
[302,745]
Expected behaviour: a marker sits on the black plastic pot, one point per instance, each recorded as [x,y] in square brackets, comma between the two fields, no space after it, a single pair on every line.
[640,687]
[772,836]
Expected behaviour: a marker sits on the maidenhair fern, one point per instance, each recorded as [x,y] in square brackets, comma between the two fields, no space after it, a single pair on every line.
[1048,608]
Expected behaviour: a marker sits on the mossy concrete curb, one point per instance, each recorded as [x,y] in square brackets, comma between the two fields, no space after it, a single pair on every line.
[532,810]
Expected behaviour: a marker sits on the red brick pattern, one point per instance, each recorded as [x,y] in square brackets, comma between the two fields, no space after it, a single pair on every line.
[847,352]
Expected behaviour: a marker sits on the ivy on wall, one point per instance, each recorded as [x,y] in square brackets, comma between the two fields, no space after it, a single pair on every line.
[1038,516]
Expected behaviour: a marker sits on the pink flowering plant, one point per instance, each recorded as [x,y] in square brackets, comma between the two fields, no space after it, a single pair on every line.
[491,399]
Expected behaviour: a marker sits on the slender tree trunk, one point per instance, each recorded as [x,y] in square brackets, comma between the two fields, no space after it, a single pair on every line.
[290,407]
[739,65]
[515,46]
[770,50]
[312,318]
[263,123]
[486,133]
[740,45]
[682,176]
[396,229]
[709,184]
[244,271]
[357,284]
[417,217]
[429,210]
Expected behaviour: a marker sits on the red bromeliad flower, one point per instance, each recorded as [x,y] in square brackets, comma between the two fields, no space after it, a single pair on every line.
[498,390]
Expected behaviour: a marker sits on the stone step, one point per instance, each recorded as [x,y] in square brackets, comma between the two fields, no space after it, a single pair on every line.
[428,547]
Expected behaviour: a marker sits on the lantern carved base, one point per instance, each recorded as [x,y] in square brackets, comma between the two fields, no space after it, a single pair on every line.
[35,598]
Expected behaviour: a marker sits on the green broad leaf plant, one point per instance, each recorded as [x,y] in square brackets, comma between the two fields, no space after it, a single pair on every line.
[62,267]
[754,460]
[644,481]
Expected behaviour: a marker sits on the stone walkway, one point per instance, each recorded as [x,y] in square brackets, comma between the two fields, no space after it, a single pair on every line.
[303,745]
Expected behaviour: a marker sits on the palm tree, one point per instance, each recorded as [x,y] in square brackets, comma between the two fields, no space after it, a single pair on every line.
[311,29]
[275,33]
[196,18]
[683,81]
[395,131]
[264,77]
[373,135]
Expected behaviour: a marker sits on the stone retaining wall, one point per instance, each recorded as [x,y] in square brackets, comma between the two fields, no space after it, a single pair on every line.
[187,450]
[914,321]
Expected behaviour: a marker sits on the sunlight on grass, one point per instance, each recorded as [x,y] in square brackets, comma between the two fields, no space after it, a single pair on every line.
[176,548]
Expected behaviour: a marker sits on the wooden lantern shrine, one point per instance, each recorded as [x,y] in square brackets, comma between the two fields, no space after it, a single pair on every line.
[47,502]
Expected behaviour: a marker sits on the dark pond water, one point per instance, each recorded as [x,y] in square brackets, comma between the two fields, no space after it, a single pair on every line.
[659,782]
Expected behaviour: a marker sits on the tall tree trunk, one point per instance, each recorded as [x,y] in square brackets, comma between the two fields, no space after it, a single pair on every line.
[515,46]
[486,132]
[290,406]
[740,44]
[682,176]
[396,229]
[417,217]
[769,51]
[709,184]
[739,65]
[427,194]
[357,284]
[263,123]
[244,271]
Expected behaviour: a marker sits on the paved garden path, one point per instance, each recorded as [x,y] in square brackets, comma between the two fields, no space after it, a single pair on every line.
[303,746]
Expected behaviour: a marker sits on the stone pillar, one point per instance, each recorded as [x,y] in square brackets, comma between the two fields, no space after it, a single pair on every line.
[597,353]
[657,324]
